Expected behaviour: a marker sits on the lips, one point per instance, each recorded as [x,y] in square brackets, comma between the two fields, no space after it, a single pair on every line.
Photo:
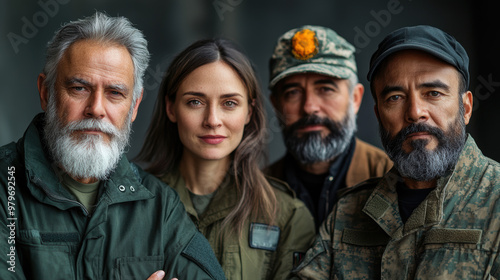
[419,134]
[212,139]
[313,127]
[90,131]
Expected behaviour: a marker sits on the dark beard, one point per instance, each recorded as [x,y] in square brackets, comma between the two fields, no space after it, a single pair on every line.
[422,164]
[312,147]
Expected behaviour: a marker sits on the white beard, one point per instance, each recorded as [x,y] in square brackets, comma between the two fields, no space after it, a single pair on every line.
[87,156]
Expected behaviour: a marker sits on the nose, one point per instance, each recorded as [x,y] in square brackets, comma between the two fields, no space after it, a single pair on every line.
[95,106]
[212,118]
[311,103]
[416,110]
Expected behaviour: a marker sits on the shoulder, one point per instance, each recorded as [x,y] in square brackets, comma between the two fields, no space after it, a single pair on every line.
[280,187]
[365,187]
[494,165]
[370,150]
[288,203]
[8,153]
[372,157]
[491,173]
[152,183]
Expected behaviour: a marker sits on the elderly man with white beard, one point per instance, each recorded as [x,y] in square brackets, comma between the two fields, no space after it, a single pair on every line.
[72,205]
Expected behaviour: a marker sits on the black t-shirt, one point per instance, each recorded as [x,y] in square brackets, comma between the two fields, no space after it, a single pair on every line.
[313,182]
[409,199]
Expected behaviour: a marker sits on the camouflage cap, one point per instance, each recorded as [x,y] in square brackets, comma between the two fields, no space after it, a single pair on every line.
[311,49]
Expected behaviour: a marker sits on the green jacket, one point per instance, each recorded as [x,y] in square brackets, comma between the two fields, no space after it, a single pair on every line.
[138,227]
[453,234]
[240,259]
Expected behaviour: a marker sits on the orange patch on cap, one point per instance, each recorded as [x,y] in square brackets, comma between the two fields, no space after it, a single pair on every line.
[304,44]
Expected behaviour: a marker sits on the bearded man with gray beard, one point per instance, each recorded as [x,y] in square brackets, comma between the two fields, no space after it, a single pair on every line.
[436,214]
[71,203]
[316,96]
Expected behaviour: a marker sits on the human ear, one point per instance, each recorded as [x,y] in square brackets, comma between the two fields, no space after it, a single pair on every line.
[43,91]
[170,110]
[467,99]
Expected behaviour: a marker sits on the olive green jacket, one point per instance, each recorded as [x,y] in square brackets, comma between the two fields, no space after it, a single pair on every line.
[236,255]
[453,234]
[138,227]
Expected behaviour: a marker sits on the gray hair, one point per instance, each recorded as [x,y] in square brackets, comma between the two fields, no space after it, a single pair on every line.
[352,81]
[105,29]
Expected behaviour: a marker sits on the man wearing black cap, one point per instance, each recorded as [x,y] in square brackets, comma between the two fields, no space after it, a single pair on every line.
[436,214]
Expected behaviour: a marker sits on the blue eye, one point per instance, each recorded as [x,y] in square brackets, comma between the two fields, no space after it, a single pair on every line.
[194,102]
[394,98]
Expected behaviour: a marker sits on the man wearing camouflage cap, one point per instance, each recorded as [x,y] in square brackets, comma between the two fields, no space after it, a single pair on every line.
[316,94]
[436,214]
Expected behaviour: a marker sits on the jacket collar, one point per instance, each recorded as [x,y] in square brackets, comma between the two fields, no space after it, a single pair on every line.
[44,184]
[221,205]
[382,205]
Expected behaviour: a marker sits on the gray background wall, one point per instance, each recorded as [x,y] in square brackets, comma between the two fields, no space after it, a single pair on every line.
[170,26]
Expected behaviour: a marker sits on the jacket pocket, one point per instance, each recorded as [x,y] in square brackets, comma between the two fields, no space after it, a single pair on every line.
[45,259]
[138,267]
[450,253]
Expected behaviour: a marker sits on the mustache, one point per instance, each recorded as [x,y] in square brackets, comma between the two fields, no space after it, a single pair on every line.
[313,120]
[420,127]
[92,124]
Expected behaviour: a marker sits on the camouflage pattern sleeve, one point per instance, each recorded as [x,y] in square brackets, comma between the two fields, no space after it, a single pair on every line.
[318,260]
[495,271]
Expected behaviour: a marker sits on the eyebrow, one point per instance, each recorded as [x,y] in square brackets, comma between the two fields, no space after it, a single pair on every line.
[326,81]
[289,85]
[388,89]
[200,94]
[434,84]
[317,82]
[71,81]
[119,87]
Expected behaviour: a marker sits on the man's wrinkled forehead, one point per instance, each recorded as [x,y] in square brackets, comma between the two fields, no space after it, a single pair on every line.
[388,75]
[299,80]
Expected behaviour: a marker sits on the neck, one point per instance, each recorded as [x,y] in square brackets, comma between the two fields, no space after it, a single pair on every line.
[413,184]
[317,168]
[203,176]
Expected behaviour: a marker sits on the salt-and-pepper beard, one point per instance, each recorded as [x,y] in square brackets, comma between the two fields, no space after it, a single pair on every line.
[312,147]
[422,164]
[85,156]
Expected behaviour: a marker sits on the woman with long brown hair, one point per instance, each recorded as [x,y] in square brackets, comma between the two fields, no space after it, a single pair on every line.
[205,140]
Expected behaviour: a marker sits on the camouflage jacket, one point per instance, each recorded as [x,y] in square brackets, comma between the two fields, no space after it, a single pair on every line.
[453,234]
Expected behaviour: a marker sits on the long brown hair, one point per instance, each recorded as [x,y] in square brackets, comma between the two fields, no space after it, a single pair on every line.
[163,148]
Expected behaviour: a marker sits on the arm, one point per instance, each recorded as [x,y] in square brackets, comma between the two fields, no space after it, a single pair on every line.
[188,253]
